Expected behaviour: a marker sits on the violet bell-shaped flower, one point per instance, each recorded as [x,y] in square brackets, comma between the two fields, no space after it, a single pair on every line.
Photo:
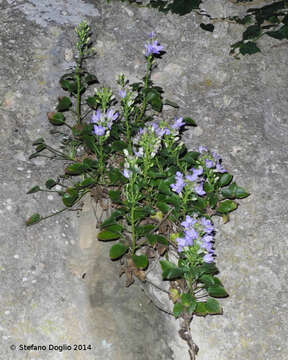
[179,185]
[153,48]
[195,174]
[199,189]
[178,123]
[99,130]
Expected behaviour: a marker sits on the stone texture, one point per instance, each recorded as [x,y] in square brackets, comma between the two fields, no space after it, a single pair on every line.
[240,108]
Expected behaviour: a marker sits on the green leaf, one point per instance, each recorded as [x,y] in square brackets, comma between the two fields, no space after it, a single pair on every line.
[207,280]
[225,179]
[119,145]
[70,197]
[170,103]
[40,148]
[208,268]
[170,271]
[33,190]
[217,291]
[56,119]
[154,238]
[252,32]
[90,163]
[178,309]
[75,169]
[33,219]
[189,121]
[226,206]
[144,229]
[115,196]
[140,261]
[187,299]
[234,191]
[112,219]
[164,188]
[106,235]
[240,192]
[201,309]
[50,183]
[91,79]
[207,27]
[115,228]
[92,102]
[67,85]
[163,207]
[141,213]
[213,306]
[87,182]
[249,48]
[64,103]
[116,176]
[191,157]
[117,251]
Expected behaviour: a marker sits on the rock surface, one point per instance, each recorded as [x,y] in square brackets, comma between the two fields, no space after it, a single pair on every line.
[240,108]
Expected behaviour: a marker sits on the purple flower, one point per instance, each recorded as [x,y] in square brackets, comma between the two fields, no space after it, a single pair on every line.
[207,238]
[178,187]
[199,189]
[151,35]
[209,163]
[208,226]
[216,156]
[99,130]
[178,123]
[189,221]
[96,118]
[153,48]
[138,153]
[191,234]
[196,173]
[208,258]
[202,149]
[181,243]
[208,247]
[220,169]
[127,173]
[123,93]
[162,131]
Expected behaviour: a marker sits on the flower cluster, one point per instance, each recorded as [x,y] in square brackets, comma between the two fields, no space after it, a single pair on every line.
[148,141]
[130,165]
[211,160]
[198,233]
[152,47]
[102,122]
[193,178]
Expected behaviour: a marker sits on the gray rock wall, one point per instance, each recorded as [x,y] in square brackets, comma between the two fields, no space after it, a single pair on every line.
[240,108]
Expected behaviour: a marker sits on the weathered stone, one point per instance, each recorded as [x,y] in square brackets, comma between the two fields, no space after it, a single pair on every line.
[240,107]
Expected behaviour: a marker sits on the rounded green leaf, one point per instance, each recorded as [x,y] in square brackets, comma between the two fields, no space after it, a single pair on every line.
[201,309]
[50,183]
[217,291]
[107,235]
[187,299]
[56,119]
[226,206]
[225,179]
[70,197]
[117,251]
[33,219]
[75,169]
[163,207]
[64,103]
[170,271]
[213,306]
[178,309]
[140,261]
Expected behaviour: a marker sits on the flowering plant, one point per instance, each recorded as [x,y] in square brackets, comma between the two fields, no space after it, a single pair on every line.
[163,195]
